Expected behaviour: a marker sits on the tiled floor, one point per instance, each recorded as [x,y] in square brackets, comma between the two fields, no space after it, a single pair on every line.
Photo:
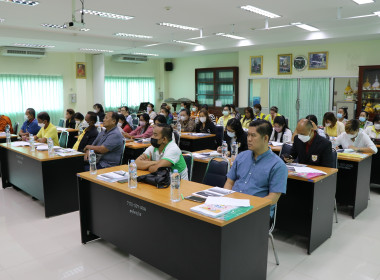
[32,247]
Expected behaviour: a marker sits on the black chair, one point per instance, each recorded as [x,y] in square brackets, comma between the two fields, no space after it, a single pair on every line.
[188,157]
[61,123]
[15,128]
[216,172]
[176,137]
[285,149]
[135,122]
[272,225]
[335,161]
[219,132]
[287,122]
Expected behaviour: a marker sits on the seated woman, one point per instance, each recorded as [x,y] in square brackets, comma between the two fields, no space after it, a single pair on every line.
[211,116]
[70,122]
[247,118]
[281,132]
[164,111]
[235,113]
[124,126]
[235,133]
[333,127]
[374,131]
[205,124]
[80,123]
[99,111]
[342,115]
[150,111]
[363,120]
[187,123]
[355,139]
[194,110]
[145,130]
[89,134]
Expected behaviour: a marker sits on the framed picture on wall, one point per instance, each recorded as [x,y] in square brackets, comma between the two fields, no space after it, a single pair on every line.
[80,70]
[256,65]
[285,62]
[318,60]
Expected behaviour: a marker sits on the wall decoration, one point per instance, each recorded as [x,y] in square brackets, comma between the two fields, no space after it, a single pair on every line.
[318,60]
[284,64]
[256,65]
[300,63]
[80,70]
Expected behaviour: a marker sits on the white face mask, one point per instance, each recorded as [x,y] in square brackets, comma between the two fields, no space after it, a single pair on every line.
[304,138]
[77,122]
[202,119]
[148,109]
[96,111]
[84,124]
[328,124]
[352,135]
[26,117]
[194,109]
[142,123]
[119,124]
[183,118]
[41,124]
[231,134]
[162,114]
[377,126]
[225,113]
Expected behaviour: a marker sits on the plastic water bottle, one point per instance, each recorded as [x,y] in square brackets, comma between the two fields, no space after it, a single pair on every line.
[132,175]
[224,149]
[222,121]
[175,193]
[197,120]
[234,150]
[31,142]
[80,130]
[92,162]
[50,147]
[270,118]
[179,128]
[332,140]
[7,135]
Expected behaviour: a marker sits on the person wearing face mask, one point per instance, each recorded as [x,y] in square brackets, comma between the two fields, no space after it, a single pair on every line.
[374,131]
[273,112]
[211,116]
[30,125]
[123,126]
[150,111]
[363,119]
[48,130]
[333,127]
[99,111]
[355,139]
[194,110]
[163,152]
[80,123]
[166,113]
[257,110]
[89,134]
[226,116]
[319,130]
[280,130]
[205,124]
[145,130]
[235,133]
[342,115]
[127,115]
[235,113]
[309,147]
[247,118]
[187,124]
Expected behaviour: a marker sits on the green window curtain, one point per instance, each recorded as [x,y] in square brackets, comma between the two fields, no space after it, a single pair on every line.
[283,94]
[128,91]
[314,97]
[19,92]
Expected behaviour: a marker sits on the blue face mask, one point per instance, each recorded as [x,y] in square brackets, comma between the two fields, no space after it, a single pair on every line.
[362,119]
[339,115]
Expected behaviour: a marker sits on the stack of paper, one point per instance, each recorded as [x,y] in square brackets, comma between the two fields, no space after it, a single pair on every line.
[215,191]
[67,152]
[3,134]
[275,144]
[20,144]
[113,176]
[61,129]
[44,147]
[217,206]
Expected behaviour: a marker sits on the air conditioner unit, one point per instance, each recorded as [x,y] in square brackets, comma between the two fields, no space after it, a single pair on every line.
[23,52]
[129,58]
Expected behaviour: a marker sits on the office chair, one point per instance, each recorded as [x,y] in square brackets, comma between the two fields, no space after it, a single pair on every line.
[285,149]
[272,225]
[63,139]
[219,132]
[15,128]
[122,154]
[189,159]
[61,123]
[216,172]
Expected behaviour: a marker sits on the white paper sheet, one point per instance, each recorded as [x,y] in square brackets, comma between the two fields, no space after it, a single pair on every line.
[308,170]
[275,144]
[20,143]
[227,201]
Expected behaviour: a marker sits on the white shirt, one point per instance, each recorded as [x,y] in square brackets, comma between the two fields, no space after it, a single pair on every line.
[129,120]
[361,141]
[372,133]
[288,134]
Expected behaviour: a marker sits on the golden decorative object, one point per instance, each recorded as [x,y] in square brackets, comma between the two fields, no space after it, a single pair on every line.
[367,85]
[348,90]
[376,84]
[377,107]
[368,108]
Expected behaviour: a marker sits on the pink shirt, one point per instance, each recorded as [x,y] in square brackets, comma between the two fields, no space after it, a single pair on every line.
[137,132]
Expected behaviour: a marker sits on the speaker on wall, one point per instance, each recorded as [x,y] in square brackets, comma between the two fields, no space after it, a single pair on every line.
[168,66]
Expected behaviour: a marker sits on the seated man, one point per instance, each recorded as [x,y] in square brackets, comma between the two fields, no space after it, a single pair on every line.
[108,146]
[48,130]
[89,134]
[314,121]
[309,147]
[31,124]
[187,123]
[4,121]
[164,152]
[258,171]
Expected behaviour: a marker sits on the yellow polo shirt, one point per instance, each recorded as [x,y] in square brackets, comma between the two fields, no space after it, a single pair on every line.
[261,116]
[269,115]
[49,132]
[225,120]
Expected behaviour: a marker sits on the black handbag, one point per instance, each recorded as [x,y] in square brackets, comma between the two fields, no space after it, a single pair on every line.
[160,178]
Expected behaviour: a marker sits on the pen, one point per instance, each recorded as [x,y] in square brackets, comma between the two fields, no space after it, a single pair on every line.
[182,196]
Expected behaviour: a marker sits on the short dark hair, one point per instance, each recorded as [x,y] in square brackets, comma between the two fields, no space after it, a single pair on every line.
[32,112]
[376,118]
[160,119]
[44,116]
[186,111]
[313,118]
[78,116]
[115,116]
[100,106]
[126,108]
[352,125]
[70,111]
[366,113]
[235,124]
[329,117]
[228,106]
[263,127]
[345,111]
[167,131]
[274,108]
[150,104]
[93,116]
[165,109]
[258,106]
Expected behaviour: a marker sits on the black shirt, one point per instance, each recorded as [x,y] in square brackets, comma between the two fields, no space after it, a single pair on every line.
[70,123]
[240,139]
[88,138]
[101,116]
[209,128]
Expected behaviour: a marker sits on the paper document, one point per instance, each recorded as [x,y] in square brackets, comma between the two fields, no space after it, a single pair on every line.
[20,143]
[275,144]
[227,201]
[113,176]
[61,129]
[3,134]
[308,170]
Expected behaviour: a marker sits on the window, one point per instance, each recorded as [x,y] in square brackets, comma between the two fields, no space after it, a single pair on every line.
[128,91]
[19,92]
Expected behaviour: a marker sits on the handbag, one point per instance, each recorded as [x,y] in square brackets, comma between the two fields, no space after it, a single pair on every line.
[160,178]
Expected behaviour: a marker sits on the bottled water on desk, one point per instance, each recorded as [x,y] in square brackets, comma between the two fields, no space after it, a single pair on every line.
[234,150]
[31,142]
[179,127]
[222,122]
[224,149]
[7,135]
[332,140]
[197,120]
[50,147]
[175,183]
[132,175]
[92,162]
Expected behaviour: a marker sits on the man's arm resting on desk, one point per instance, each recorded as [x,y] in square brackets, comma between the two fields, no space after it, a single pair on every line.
[97,149]
[143,162]
[274,197]
[229,184]
[362,150]
[158,164]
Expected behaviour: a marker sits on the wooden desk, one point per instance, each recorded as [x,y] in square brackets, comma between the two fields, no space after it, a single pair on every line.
[52,180]
[133,150]
[275,149]
[197,143]
[145,223]
[3,139]
[353,182]
[307,208]
[375,174]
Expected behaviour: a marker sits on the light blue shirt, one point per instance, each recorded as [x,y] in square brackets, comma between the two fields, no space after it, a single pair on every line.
[259,177]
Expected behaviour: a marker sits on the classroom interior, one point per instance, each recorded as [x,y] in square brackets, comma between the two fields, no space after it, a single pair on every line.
[35,247]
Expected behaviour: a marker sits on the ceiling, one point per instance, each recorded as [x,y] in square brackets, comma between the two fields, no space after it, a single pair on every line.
[22,24]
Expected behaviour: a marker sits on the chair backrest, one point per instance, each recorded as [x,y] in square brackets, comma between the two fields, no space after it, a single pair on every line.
[273,219]
[219,132]
[135,120]
[216,172]
[188,156]
[176,137]
[122,154]
[287,122]
[63,139]
[15,128]
[335,158]
[61,123]
[286,148]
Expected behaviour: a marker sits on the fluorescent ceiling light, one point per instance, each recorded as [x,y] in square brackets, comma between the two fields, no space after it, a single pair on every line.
[279,26]
[22,2]
[187,43]
[53,25]
[133,35]
[146,54]
[364,16]
[231,36]
[361,2]
[2,20]
[33,46]
[377,13]
[85,29]
[184,27]
[305,26]
[96,50]
[107,15]
[255,10]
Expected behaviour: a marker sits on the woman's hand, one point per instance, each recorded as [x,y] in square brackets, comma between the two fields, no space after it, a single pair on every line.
[219,149]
